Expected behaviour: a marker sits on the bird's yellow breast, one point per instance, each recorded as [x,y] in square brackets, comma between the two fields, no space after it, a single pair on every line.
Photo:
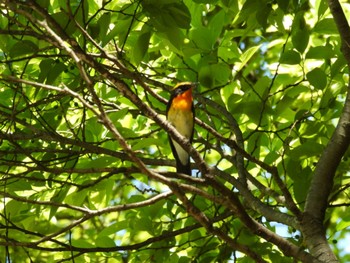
[182,120]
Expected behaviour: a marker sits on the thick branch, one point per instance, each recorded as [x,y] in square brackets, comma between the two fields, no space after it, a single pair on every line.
[321,186]
[322,182]
[343,27]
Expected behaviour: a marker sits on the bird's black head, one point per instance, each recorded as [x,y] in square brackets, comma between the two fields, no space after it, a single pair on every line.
[182,87]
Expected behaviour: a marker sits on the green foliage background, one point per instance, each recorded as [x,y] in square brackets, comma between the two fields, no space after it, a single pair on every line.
[272,78]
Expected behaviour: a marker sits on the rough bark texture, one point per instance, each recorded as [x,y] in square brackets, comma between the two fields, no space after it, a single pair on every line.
[322,183]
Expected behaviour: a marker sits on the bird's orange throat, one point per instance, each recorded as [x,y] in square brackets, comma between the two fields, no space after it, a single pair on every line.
[183,101]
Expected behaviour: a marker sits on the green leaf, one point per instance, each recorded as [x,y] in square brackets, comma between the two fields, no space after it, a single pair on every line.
[118,31]
[37,179]
[226,92]
[45,67]
[104,241]
[116,116]
[55,72]
[81,243]
[321,7]
[306,150]
[247,55]
[326,26]
[338,66]
[342,225]
[290,57]
[221,73]
[141,46]
[320,52]
[263,13]
[247,238]
[283,4]
[203,38]
[301,185]
[262,85]
[300,40]
[181,15]
[216,24]
[76,198]
[317,78]
[166,15]
[175,37]
[114,228]
[103,26]
[16,210]
[205,77]
[58,197]
[24,47]
[145,143]
[18,185]
[64,22]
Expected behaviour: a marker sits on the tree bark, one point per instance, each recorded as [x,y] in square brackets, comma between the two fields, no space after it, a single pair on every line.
[322,182]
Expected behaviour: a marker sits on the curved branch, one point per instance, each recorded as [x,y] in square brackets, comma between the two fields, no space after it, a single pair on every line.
[322,181]
[321,185]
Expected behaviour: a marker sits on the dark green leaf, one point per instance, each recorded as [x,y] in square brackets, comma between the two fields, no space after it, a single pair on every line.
[24,47]
[263,13]
[301,186]
[55,72]
[141,46]
[338,66]
[103,26]
[306,150]
[166,15]
[205,77]
[283,4]
[322,8]
[290,57]
[300,40]
[320,52]
[317,78]
[181,15]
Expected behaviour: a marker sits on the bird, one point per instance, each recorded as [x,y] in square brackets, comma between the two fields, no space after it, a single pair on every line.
[180,113]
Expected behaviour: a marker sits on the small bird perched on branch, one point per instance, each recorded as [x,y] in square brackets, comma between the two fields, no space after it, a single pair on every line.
[180,113]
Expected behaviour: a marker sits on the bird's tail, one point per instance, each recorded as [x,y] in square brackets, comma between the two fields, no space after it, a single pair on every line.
[185,169]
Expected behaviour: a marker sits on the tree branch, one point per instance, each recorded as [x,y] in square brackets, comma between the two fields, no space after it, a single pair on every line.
[322,181]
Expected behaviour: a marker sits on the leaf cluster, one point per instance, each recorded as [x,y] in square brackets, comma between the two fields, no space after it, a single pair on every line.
[86,171]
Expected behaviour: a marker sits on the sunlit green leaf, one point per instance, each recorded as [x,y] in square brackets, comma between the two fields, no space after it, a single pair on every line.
[247,55]
[86,170]
[326,26]
[104,241]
